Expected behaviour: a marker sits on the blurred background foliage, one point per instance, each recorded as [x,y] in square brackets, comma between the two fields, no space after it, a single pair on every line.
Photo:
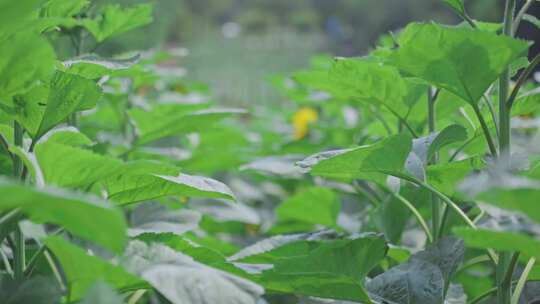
[234,45]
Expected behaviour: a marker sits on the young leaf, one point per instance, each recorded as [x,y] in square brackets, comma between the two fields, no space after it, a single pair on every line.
[84,216]
[367,162]
[113,20]
[83,271]
[322,203]
[463,61]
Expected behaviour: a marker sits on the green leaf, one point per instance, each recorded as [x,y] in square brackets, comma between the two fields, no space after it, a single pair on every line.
[71,167]
[499,240]
[369,80]
[311,264]
[457,5]
[102,293]
[322,203]
[423,279]
[143,180]
[68,93]
[178,277]
[371,162]
[112,20]
[26,59]
[83,271]
[151,129]
[14,15]
[523,199]
[35,290]
[463,61]
[84,216]
[69,136]
[157,218]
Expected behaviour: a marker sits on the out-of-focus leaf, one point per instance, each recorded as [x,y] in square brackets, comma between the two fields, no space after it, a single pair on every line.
[83,270]
[93,66]
[35,290]
[112,20]
[322,203]
[532,19]
[156,218]
[282,166]
[102,293]
[457,5]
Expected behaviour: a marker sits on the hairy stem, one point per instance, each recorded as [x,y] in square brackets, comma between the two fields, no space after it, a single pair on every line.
[505,258]
[435,204]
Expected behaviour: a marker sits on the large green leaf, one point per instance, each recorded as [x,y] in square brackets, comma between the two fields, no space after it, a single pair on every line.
[422,279]
[68,93]
[113,20]
[461,60]
[322,203]
[143,180]
[311,264]
[371,162]
[63,8]
[71,167]
[83,270]
[178,277]
[84,216]
[26,58]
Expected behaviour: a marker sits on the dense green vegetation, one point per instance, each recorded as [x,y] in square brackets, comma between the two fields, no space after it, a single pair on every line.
[408,176]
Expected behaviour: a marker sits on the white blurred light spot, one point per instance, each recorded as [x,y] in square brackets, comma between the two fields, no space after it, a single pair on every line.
[231,30]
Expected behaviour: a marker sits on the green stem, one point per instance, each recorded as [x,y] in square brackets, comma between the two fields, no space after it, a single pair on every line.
[435,204]
[18,250]
[485,129]
[505,264]
[520,14]
[414,211]
[521,80]
[19,254]
[522,281]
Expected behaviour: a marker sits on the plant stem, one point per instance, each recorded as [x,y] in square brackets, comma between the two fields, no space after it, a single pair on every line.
[522,281]
[18,250]
[435,204]
[520,15]
[521,80]
[505,264]
[485,129]
[415,212]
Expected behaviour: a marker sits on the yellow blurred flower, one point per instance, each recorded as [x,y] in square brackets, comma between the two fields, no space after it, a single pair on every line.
[301,121]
